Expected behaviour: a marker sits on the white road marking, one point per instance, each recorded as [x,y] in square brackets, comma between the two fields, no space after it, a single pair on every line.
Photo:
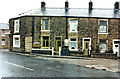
[18,66]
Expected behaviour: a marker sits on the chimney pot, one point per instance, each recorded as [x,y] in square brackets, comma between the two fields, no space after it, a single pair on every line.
[43,5]
[66,4]
[90,5]
[116,5]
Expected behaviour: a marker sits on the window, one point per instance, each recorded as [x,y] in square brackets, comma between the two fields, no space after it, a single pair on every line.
[16,41]
[2,34]
[73,25]
[45,24]
[73,43]
[3,42]
[103,45]
[45,42]
[16,26]
[102,26]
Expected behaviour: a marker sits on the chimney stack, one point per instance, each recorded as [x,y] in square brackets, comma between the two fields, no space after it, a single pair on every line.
[116,5]
[66,4]
[90,5]
[43,5]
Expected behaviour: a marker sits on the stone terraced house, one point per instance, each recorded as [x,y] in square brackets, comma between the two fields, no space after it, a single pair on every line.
[4,35]
[75,30]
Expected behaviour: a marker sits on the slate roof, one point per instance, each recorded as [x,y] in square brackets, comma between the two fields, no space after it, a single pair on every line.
[74,12]
[4,26]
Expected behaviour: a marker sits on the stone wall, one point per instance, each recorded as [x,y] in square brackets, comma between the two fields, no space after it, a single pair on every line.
[11,27]
[87,28]
[57,28]
[25,30]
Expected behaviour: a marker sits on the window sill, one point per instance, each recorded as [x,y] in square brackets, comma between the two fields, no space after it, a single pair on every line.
[41,49]
[73,49]
[45,30]
[102,33]
[3,44]
[17,46]
[3,35]
[72,31]
[16,32]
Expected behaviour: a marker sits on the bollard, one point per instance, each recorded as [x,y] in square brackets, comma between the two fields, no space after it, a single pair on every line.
[52,51]
[59,51]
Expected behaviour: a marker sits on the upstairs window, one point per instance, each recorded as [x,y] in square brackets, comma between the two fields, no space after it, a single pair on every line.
[73,25]
[45,24]
[73,43]
[16,26]
[102,26]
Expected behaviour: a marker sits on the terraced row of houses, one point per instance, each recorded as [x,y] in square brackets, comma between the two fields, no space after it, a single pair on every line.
[74,29]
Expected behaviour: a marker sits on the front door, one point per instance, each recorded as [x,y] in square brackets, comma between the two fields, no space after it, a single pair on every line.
[86,48]
[58,44]
[116,47]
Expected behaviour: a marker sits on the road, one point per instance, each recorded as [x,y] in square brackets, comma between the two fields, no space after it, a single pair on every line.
[13,65]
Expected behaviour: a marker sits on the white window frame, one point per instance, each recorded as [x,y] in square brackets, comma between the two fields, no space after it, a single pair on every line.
[16,36]
[76,26]
[114,50]
[76,49]
[106,26]
[15,26]
[89,43]
[2,42]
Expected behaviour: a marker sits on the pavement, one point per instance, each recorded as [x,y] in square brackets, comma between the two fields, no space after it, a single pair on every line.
[94,63]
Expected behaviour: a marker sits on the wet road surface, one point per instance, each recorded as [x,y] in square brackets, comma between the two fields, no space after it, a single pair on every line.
[23,66]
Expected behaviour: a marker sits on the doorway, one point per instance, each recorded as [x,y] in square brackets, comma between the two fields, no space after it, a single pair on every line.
[116,47]
[86,46]
[58,44]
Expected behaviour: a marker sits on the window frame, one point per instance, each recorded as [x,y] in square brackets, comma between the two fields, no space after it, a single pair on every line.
[43,24]
[15,26]
[45,42]
[76,31]
[2,42]
[100,43]
[16,36]
[106,20]
[76,49]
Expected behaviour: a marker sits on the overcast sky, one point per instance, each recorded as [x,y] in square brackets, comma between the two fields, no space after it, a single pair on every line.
[11,8]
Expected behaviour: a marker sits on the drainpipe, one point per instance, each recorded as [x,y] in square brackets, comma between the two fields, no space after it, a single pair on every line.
[33,21]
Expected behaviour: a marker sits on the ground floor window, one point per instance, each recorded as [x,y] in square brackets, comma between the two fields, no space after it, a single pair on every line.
[73,43]
[103,45]
[45,41]
[16,41]
[3,42]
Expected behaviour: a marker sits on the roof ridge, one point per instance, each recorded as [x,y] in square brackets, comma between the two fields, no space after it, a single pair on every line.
[78,8]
